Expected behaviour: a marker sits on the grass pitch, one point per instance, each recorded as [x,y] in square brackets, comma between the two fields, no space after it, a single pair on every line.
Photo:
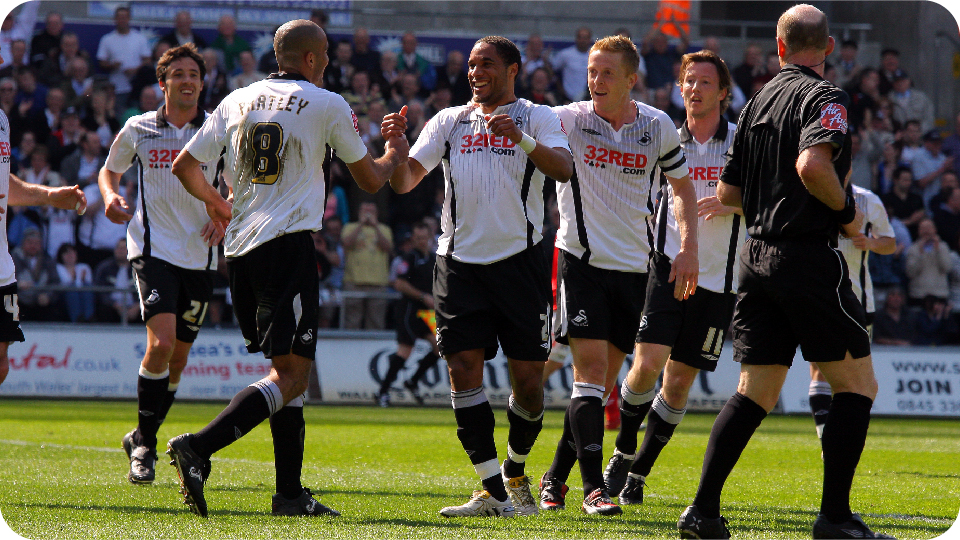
[63,475]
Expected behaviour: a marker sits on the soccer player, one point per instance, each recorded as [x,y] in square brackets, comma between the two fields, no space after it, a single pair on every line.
[680,338]
[273,134]
[16,192]
[875,235]
[415,282]
[171,243]
[787,170]
[491,282]
[621,147]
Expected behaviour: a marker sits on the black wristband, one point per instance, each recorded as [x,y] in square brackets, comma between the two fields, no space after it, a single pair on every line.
[849,212]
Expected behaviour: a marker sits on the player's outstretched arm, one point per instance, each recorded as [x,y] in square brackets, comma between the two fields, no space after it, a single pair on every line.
[114,205]
[686,265]
[187,169]
[557,163]
[66,197]
[371,174]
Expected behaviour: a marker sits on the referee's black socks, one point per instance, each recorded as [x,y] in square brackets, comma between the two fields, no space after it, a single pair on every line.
[246,410]
[661,423]
[586,419]
[524,429]
[634,407]
[428,361]
[843,438]
[396,364]
[151,391]
[731,432]
[288,429]
[475,423]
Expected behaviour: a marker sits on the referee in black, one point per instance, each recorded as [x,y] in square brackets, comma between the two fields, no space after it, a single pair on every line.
[787,169]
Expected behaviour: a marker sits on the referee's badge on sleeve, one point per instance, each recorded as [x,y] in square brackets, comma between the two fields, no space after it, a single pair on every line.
[834,116]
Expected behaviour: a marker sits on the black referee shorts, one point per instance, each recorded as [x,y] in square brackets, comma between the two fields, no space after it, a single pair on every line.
[410,326]
[796,293]
[10,316]
[597,303]
[508,301]
[276,296]
[694,328]
[167,288]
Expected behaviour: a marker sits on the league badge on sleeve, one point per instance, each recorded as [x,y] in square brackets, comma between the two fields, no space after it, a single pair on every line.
[356,123]
[834,116]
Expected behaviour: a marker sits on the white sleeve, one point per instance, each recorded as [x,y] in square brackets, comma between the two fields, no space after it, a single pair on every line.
[877,215]
[344,133]
[547,129]
[209,140]
[429,148]
[671,159]
[123,149]
[102,52]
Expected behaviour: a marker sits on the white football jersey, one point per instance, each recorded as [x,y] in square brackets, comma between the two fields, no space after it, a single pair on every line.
[875,223]
[493,205]
[168,220]
[7,271]
[604,208]
[276,132]
[718,239]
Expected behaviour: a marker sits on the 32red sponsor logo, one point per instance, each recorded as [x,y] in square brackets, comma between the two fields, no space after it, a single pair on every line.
[4,149]
[623,159]
[705,173]
[486,140]
[834,116]
[163,155]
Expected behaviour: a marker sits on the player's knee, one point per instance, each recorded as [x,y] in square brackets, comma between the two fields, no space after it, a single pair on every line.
[161,346]
[676,389]
[177,366]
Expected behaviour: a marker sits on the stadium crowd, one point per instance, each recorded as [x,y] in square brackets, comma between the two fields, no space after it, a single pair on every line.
[66,104]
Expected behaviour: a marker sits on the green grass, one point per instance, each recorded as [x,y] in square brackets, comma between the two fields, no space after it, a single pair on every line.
[62,475]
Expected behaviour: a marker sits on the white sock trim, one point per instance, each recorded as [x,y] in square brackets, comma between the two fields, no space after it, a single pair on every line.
[665,411]
[172,387]
[271,393]
[468,398]
[154,376]
[820,430]
[295,402]
[819,388]
[636,398]
[488,468]
[636,476]
[523,413]
[515,457]
[582,389]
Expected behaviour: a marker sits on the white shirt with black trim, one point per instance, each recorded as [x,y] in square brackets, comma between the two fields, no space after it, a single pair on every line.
[719,238]
[606,205]
[876,224]
[168,220]
[7,271]
[493,201]
[276,132]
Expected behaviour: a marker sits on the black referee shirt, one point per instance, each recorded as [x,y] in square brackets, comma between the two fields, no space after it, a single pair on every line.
[794,111]
[417,269]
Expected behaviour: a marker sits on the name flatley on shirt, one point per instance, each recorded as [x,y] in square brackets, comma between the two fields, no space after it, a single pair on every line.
[267,102]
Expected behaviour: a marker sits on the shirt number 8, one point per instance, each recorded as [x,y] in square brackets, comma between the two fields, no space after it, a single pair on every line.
[267,139]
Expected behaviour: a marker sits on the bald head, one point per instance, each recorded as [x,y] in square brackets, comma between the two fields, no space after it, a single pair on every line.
[296,38]
[803,28]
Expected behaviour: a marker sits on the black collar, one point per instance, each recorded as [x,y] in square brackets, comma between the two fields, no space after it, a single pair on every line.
[802,69]
[720,135]
[288,76]
[162,117]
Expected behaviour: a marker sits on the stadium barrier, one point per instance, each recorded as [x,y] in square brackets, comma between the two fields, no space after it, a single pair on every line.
[100,361]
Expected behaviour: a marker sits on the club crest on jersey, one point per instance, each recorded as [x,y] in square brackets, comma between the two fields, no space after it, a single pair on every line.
[589,131]
[518,121]
[645,139]
[833,116]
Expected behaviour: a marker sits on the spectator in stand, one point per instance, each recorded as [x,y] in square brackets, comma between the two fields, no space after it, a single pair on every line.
[336,78]
[416,119]
[864,96]
[268,61]
[80,304]
[951,145]
[659,56]
[20,156]
[534,57]
[8,102]
[910,103]
[374,140]
[229,44]
[248,72]
[82,166]
[948,182]
[408,90]
[116,272]
[410,61]
[34,268]
[364,58]
[56,102]
[902,202]
[934,325]
[894,324]
[40,171]
[215,86]
[100,118]
[946,217]
[320,18]
[889,66]
[570,65]
[912,140]
[149,101]
[928,165]
[17,27]
[387,78]
[31,95]
[865,154]
[183,33]
[147,76]
[770,69]
[751,66]
[121,53]
[46,44]
[848,68]
[78,85]
[539,90]
[328,244]
[97,236]
[65,140]
[367,244]
[440,99]
[928,265]
[452,75]
[53,71]
[661,100]
[360,95]
[19,60]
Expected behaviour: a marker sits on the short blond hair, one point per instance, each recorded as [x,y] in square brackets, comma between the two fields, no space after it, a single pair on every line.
[623,45]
